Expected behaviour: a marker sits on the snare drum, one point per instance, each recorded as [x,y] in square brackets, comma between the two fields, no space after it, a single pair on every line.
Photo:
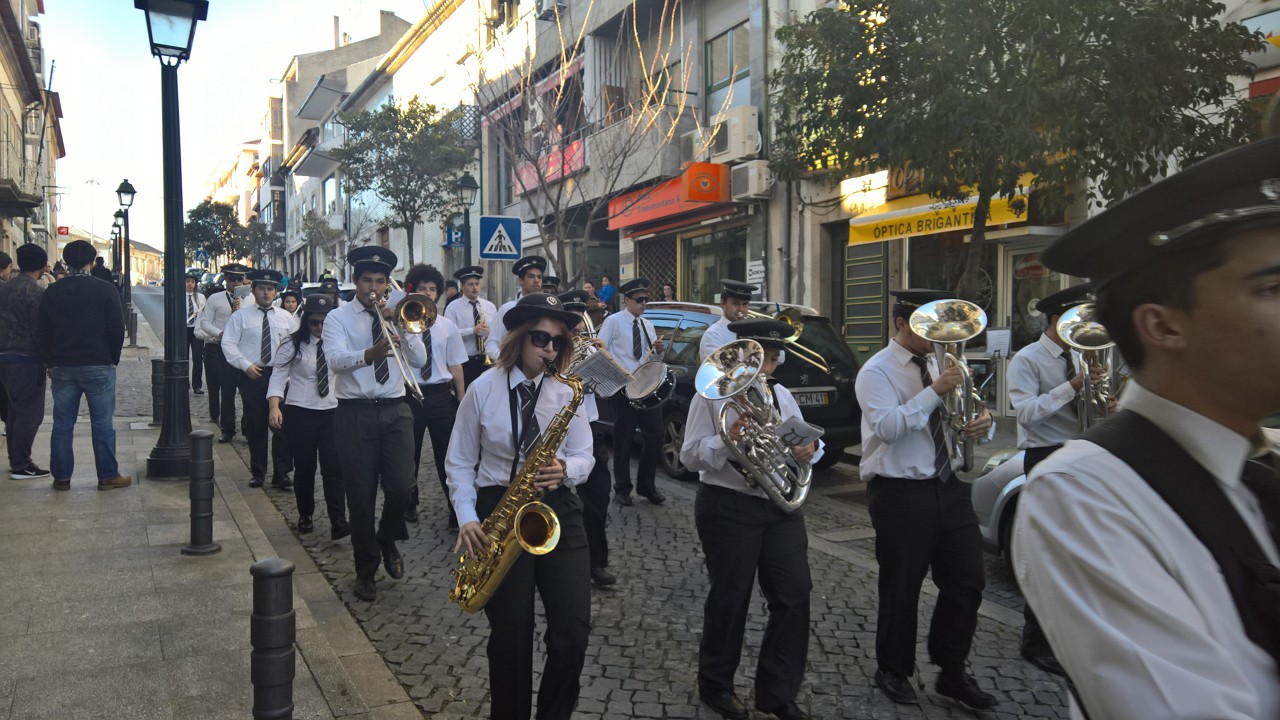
[653,385]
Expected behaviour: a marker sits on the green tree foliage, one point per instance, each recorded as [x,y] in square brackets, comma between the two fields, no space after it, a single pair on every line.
[409,156]
[317,233]
[265,247]
[972,94]
[215,229]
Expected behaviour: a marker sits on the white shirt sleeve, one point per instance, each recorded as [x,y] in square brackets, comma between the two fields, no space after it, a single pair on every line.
[464,455]
[205,319]
[231,343]
[493,343]
[280,370]
[337,348]
[575,451]
[1024,392]
[703,449]
[454,352]
[889,419]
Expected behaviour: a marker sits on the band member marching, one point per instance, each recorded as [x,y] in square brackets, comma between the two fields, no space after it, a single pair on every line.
[634,341]
[1044,379]
[195,302]
[528,271]
[735,300]
[306,417]
[743,532]
[550,284]
[220,376]
[375,440]
[442,383]
[921,511]
[507,407]
[472,315]
[250,343]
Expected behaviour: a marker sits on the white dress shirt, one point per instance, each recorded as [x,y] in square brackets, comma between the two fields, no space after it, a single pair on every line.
[1041,396]
[299,372]
[213,318]
[616,333]
[716,336]
[348,332]
[704,450]
[1133,603]
[193,303]
[446,351]
[493,343]
[460,313]
[242,338]
[483,457]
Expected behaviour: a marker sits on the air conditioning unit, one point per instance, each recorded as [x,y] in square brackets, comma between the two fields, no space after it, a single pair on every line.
[548,9]
[693,147]
[750,181]
[736,135]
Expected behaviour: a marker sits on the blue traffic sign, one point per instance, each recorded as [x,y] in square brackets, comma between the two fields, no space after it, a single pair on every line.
[453,238]
[499,237]
[202,256]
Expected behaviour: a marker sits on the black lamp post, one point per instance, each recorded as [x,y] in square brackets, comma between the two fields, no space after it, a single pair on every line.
[115,250]
[171,26]
[467,190]
[125,193]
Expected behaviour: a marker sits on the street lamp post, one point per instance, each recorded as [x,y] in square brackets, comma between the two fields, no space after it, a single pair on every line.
[171,26]
[125,193]
[467,189]
[115,251]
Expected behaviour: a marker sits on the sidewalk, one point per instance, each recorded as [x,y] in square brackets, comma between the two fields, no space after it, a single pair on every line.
[102,617]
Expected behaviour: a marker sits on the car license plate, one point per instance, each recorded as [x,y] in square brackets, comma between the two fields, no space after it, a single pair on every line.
[810,399]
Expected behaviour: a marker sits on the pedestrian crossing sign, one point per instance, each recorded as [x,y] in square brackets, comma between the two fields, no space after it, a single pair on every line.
[499,237]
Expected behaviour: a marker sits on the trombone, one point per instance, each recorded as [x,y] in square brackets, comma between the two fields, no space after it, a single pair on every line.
[795,320]
[415,314]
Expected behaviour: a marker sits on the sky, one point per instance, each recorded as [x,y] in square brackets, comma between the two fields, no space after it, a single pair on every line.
[109,85]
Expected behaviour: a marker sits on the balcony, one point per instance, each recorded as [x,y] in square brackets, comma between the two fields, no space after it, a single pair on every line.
[19,191]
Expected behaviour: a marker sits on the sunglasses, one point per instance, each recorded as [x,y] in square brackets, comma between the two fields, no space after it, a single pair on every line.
[315,322]
[641,300]
[540,338]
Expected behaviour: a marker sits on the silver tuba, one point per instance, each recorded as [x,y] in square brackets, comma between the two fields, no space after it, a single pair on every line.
[949,324]
[1080,328]
[733,373]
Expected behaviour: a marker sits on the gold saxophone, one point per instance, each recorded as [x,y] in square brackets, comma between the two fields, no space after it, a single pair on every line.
[520,521]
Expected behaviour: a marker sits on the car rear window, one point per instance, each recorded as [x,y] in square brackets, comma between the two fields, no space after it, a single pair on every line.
[820,337]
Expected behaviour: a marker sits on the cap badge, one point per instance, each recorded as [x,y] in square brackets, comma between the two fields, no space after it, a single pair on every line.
[775,334]
[552,301]
[375,257]
[1270,189]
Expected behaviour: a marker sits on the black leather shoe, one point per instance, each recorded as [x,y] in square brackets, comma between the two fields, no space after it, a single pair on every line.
[365,589]
[725,703]
[392,561]
[962,688]
[411,514]
[655,497]
[256,482]
[282,482]
[1046,662]
[198,391]
[305,525]
[624,500]
[226,438]
[790,711]
[896,688]
[339,530]
[602,577]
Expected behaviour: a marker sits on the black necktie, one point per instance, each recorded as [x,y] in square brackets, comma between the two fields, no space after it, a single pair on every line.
[635,339]
[427,369]
[191,310]
[380,371]
[322,370]
[266,337]
[475,316]
[528,421]
[941,457]
[1260,477]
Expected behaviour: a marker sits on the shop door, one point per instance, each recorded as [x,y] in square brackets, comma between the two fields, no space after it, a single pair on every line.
[1025,280]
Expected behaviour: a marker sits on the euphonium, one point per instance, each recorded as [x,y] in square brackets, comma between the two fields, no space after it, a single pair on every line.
[949,324]
[1079,327]
[520,521]
[733,373]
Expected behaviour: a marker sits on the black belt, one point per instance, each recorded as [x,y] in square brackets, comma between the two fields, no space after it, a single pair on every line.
[371,401]
[475,357]
[924,481]
[435,387]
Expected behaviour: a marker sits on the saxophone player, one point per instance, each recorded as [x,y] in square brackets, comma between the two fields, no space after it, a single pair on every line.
[921,512]
[744,533]
[507,406]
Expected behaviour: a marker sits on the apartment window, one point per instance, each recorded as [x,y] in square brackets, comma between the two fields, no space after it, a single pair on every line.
[502,17]
[506,175]
[330,195]
[729,70]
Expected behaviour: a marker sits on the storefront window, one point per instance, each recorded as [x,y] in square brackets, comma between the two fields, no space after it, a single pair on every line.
[937,262]
[709,258]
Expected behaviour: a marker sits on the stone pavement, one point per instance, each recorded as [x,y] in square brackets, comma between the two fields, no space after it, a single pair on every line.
[102,617]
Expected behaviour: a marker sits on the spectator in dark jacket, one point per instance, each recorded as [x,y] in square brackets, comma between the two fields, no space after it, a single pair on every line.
[100,271]
[81,334]
[21,369]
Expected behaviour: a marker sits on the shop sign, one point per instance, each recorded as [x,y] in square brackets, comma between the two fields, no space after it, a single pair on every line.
[654,203]
[556,164]
[705,182]
[930,219]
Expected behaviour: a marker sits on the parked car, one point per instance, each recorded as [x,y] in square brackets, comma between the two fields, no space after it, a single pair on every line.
[346,291]
[826,399]
[995,498]
[211,283]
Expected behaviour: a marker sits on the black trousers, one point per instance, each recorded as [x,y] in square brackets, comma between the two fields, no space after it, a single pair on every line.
[925,526]
[594,494]
[562,578]
[625,420]
[1034,643]
[434,415]
[222,380]
[253,396]
[309,434]
[742,535]
[375,449]
[195,348]
[23,390]
[472,369]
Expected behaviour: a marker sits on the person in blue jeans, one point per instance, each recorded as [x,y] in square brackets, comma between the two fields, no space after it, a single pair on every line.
[81,333]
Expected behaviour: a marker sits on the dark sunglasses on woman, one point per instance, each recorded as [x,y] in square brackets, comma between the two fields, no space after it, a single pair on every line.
[540,338]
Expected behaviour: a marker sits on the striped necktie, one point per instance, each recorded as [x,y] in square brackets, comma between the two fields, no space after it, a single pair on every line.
[381,372]
[941,457]
[475,316]
[322,370]
[528,421]
[191,310]
[428,368]
[265,347]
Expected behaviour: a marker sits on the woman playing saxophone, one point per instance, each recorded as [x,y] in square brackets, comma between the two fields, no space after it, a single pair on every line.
[503,412]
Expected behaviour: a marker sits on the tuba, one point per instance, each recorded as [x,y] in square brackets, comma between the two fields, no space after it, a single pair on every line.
[520,521]
[1079,327]
[731,373]
[949,324]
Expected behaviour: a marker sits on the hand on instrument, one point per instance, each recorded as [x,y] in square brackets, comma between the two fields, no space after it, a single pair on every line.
[275,418]
[388,312]
[659,347]
[549,476]
[1112,404]
[978,426]
[804,453]
[598,343]
[471,536]
[380,350]
[253,371]
[739,429]
[482,329]
[948,380]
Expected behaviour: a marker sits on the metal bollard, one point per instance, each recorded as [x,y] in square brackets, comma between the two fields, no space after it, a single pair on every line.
[157,391]
[201,491]
[271,631]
